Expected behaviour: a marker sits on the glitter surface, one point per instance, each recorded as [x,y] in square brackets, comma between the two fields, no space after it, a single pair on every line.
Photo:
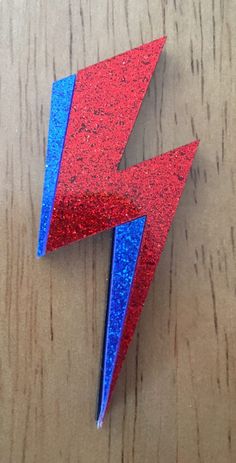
[106,101]
[92,195]
[126,245]
[62,92]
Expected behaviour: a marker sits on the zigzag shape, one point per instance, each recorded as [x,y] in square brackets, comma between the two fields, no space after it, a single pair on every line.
[92,115]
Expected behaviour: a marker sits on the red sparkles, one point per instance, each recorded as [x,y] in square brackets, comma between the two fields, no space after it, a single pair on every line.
[92,195]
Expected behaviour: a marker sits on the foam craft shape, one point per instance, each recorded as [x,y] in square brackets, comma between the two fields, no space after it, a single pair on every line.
[92,115]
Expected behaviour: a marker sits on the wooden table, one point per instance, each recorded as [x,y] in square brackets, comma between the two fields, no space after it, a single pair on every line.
[176,398]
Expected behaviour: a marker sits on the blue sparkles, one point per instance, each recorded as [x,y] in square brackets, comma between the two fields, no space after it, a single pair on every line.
[62,92]
[126,246]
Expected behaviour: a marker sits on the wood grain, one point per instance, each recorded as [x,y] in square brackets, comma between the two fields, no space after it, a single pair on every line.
[175,401]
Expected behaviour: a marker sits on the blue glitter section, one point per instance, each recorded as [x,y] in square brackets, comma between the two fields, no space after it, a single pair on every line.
[126,245]
[62,92]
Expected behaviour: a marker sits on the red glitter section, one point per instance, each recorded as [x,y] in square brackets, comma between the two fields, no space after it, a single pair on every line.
[92,195]
[106,101]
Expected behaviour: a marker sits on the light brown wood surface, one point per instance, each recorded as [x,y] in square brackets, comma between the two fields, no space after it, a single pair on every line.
[176,398]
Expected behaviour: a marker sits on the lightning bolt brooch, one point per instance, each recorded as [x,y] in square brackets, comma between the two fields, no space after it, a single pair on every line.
[92,115]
